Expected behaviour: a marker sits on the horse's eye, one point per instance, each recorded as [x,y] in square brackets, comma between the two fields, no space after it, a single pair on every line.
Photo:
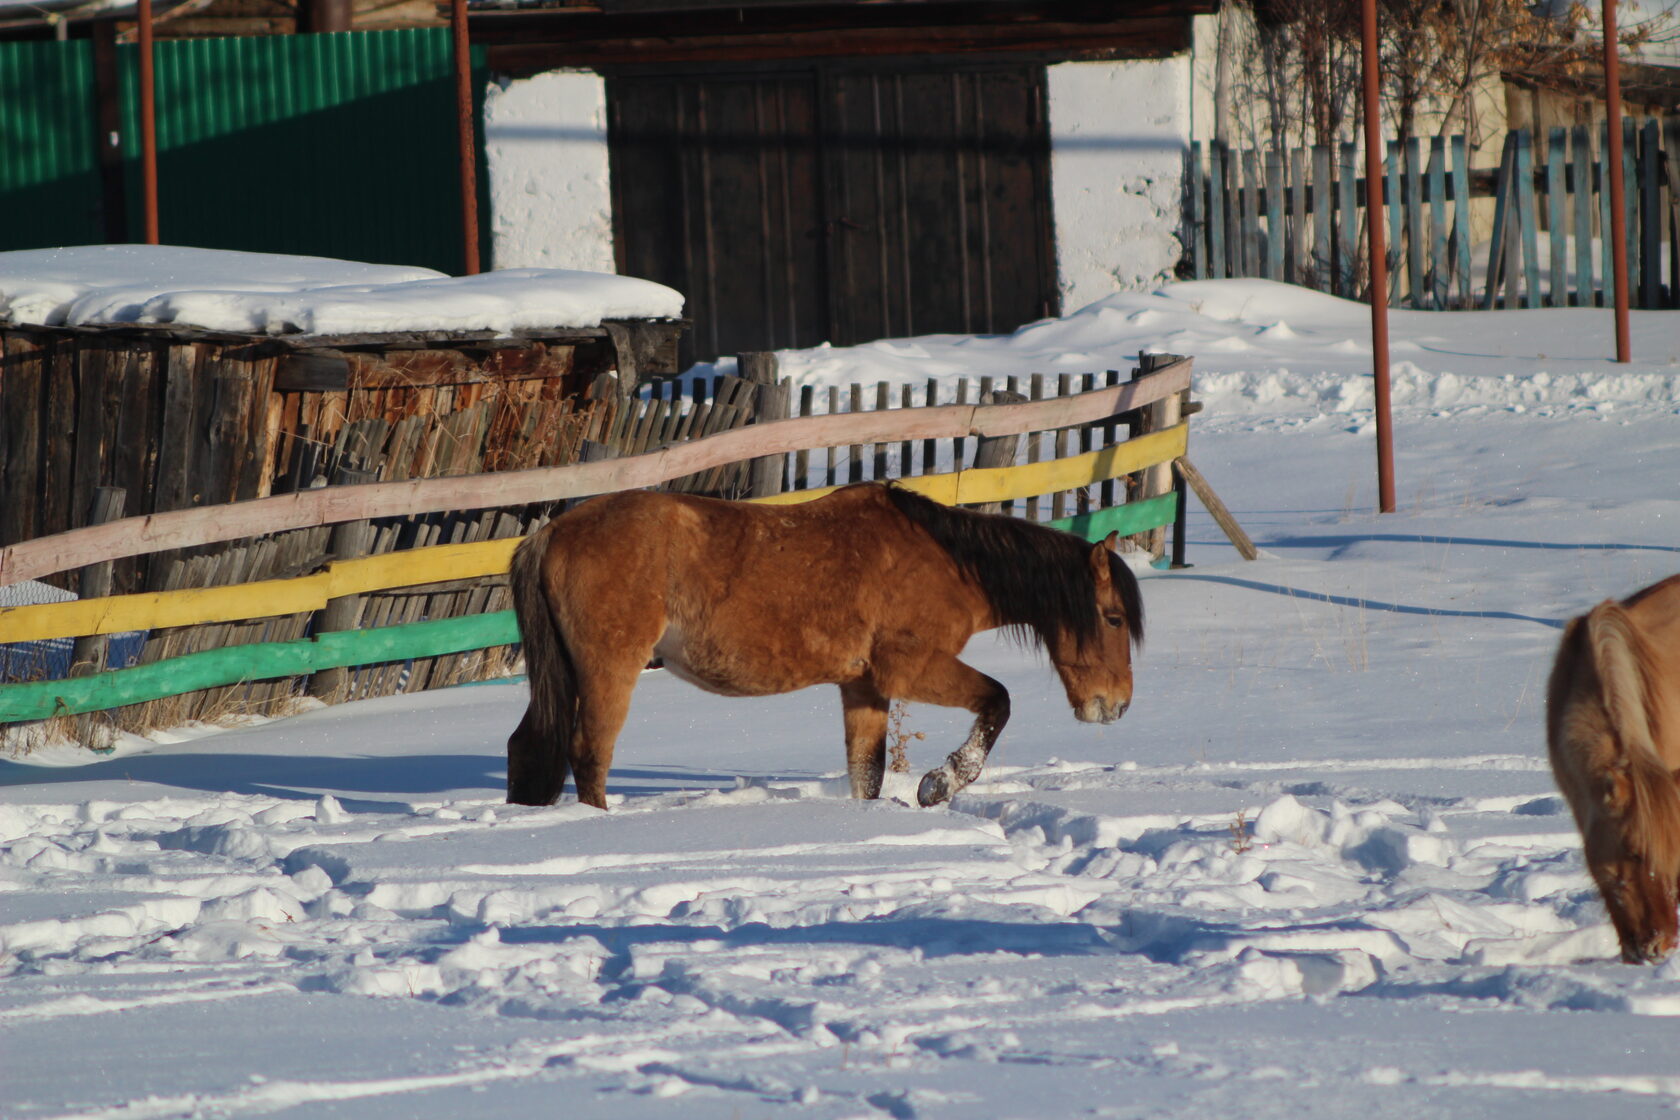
[1114,619]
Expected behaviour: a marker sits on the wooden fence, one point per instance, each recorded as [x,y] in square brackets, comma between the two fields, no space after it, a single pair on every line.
[1298,216]
[454,623]
[175,417]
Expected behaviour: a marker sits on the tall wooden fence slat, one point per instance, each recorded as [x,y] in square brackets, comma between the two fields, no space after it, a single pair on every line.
[1417,242]
[1276,236]
[1581,168]
[1297,215]
[1440,258]
[1606,255]
[1557,294]
[1650,210]
[1320,275]
[1528,220]
[1462,230]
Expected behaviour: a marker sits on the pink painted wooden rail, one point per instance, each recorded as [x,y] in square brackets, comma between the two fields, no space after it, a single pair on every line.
[187,528]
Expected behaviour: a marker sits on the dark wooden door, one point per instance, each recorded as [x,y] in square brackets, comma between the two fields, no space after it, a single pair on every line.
[836,204]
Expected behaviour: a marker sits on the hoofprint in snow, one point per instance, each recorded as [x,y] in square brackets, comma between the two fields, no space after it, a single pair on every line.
[1319,870]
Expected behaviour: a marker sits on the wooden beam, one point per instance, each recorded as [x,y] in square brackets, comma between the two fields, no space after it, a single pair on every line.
[1221,515]
[1153,38]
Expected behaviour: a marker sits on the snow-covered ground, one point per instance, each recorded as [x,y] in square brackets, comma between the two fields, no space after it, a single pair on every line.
[1319,870]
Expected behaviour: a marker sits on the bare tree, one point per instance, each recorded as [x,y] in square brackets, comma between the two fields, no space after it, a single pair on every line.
[1299,70]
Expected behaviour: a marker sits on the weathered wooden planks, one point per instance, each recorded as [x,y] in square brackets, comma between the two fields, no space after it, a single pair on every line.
[1250,214]
[329,505]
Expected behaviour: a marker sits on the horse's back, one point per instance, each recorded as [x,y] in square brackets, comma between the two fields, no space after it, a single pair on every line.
[752,599]
[1643,632]
[1655,611]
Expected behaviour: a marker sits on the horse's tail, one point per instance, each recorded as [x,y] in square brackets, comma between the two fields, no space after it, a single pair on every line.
[539,748]
[1649,798]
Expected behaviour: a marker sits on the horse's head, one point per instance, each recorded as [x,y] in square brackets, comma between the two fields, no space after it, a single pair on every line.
[1639,895]
[1096,666]
[1630,836]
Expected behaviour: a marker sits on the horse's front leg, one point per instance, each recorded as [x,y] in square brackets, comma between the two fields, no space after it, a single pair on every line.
[866,736]
[951,684]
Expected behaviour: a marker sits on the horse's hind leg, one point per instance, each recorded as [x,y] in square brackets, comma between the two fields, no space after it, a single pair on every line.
[536,765]
[603,704]
[866,736]
[951,684]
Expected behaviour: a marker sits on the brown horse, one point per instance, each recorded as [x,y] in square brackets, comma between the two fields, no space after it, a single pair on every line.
[874,588]
[1613,733]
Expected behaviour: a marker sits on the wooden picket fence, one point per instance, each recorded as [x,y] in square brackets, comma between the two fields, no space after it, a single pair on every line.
[438,613]
[1298,216]
[671,411]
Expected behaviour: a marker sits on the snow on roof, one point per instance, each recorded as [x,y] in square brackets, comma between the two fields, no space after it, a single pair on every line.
[268,293]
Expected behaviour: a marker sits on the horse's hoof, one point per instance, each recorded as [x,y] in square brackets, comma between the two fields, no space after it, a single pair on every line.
[934,790]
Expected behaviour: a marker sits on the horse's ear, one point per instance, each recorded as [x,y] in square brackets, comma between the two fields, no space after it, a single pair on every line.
[1099,560]
[1112,541]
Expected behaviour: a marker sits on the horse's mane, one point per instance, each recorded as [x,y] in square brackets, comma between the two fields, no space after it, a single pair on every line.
[1037,579]
[1629,690]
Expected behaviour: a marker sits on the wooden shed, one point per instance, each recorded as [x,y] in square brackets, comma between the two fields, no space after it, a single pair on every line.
[832,171]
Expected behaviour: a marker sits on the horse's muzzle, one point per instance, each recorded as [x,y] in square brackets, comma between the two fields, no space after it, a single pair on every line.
[1099,710]
[1652,950]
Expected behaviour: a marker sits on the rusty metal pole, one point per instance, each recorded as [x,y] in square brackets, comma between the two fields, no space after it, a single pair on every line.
[1379,261]
[148,125]
[1618,200]
[469,146]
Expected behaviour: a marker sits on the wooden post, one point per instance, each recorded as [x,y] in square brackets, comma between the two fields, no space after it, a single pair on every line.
[1221,515]
[349,539]
[1035,441]
[322,15]
[1618,208]
[1180,519]
[95,730]
[996,451]
[771,401]
[1379,269]
[148,125]
[465,136]
[108,93]
[1195,221]
[1153,482]
[88,654]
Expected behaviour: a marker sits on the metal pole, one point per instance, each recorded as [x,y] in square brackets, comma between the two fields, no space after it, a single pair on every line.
[1379,261]
[148,126]
[1618,200]
[469,148]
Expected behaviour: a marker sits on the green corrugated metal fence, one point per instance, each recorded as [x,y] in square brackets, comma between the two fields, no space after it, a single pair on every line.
[339,145]
[49,178]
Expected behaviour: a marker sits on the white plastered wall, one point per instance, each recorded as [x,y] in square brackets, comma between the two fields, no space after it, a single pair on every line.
[545,141]
[1118,134]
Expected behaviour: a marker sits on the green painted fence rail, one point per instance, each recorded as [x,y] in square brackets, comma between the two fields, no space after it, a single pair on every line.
[213,668]
[1133,517]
